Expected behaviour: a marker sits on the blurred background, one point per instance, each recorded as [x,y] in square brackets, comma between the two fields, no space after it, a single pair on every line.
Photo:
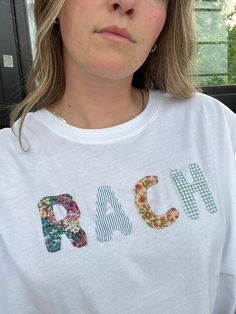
[216,60]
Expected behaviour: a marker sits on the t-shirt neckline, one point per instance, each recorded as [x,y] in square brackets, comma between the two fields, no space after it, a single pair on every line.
[103,135]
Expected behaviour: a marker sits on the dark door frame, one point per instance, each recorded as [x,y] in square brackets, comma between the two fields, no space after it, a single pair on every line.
[14,41]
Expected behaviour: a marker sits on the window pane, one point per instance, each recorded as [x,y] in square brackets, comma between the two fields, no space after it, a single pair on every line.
[216,32]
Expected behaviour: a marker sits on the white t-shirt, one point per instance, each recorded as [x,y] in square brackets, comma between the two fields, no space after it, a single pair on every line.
[131,219]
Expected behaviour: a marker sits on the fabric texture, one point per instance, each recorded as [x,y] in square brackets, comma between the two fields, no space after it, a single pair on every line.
[131,219]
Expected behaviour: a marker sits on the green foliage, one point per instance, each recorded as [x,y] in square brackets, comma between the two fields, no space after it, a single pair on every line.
[216,30]
[232,56]
[215,80]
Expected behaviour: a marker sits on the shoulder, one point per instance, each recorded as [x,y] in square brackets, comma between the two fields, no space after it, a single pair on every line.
[8,138]
[10,150]
[202,112]
[14,158]
[199,111]
[10,145]
[215,110]
[199,105]
[195,101]
[207,102]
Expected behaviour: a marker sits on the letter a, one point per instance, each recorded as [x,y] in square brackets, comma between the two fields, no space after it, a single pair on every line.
[107,223]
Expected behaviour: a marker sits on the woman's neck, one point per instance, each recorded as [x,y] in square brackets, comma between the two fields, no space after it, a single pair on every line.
[95,111]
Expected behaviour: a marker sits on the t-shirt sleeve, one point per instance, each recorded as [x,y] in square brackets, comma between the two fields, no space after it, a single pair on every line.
[226,294]
[231,121]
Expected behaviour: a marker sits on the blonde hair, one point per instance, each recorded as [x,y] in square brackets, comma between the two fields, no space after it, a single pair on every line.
[172,67]
[169,68]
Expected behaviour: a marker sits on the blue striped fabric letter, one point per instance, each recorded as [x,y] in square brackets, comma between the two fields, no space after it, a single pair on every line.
[108,222]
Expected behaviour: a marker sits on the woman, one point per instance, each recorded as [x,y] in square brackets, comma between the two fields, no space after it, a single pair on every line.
[118,188]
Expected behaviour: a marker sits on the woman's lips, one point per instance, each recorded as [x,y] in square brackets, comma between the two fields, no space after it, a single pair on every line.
[116,32]
[115,37]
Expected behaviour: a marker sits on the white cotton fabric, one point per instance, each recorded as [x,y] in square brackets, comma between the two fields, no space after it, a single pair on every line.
[188,267]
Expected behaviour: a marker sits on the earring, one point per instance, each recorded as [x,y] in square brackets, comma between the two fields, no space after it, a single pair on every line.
[154,48]
[57,21]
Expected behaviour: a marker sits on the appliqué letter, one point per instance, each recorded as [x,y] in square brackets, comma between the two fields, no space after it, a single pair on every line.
[53,229]
[107,223]
[186,191]
[150,217]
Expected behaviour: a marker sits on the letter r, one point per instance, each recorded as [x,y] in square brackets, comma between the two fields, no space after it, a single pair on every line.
[53,229]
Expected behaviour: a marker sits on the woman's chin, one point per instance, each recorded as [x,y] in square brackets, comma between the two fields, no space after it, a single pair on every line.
[112,69]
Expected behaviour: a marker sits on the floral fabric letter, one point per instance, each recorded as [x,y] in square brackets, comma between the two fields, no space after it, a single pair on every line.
[53,229]
[149,216]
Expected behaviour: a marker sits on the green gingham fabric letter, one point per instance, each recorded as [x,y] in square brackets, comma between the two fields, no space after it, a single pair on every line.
[186,191]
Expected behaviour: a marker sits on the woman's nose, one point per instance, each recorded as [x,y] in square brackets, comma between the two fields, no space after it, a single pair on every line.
[123,6]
